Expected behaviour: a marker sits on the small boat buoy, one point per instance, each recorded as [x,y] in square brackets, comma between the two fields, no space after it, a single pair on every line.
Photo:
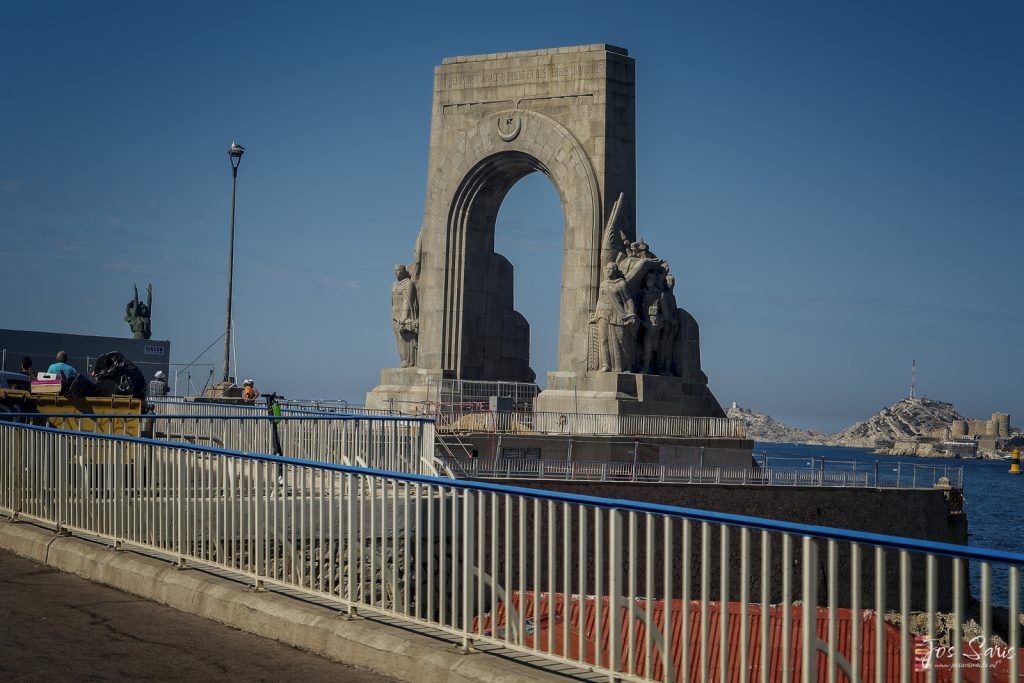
[1015,461]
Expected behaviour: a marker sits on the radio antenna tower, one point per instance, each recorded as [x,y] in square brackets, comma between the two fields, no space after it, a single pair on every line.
[913,379]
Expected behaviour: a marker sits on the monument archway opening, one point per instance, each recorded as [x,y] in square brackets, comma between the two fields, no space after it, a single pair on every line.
[529,232]
[494,343]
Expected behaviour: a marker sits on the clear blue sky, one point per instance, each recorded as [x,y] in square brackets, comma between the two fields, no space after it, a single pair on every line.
[839,185]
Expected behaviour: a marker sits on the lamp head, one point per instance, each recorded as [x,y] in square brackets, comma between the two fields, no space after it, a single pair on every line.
[235,152]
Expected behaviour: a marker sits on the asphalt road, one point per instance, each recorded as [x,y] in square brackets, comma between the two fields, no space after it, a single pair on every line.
[57,626]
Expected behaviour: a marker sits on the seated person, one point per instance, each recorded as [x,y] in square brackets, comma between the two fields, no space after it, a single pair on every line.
[61,367]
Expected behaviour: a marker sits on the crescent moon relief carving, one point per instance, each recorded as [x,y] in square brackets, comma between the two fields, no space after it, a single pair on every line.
[510,124]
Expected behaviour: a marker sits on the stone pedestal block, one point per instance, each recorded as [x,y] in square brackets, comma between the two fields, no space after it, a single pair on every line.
[624,393]
[405,389]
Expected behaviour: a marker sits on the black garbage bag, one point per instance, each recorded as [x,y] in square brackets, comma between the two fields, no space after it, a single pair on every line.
[78,386]
[115,375]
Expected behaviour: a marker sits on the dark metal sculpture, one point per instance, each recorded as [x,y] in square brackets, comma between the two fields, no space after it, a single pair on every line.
[138,314]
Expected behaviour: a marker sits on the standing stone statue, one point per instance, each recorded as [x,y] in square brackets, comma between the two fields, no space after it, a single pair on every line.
[405,311]
[616,319]
[688,349]
[667,363]
[138,314]
[652,323]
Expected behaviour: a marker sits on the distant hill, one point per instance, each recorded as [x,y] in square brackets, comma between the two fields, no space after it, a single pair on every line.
[906,419]
[761,427]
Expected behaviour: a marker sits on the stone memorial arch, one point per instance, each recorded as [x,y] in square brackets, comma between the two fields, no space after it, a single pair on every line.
[568,113]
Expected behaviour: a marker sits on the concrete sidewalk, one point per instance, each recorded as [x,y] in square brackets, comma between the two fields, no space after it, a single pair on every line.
[362,643]
[56,626]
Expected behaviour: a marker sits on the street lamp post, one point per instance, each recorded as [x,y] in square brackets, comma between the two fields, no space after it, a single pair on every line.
[235,153]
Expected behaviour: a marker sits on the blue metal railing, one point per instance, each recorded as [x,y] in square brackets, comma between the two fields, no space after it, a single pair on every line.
[481,560]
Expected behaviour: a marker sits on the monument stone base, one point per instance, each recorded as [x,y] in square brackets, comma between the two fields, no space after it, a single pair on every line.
[405,389]
[625,393]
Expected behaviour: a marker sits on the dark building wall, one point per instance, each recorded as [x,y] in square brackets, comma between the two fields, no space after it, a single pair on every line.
[918,513]
[149,355]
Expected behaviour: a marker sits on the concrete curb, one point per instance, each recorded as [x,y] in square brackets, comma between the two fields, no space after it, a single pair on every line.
[359,642]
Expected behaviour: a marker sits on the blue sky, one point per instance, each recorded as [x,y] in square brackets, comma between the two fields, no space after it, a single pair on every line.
[839,186]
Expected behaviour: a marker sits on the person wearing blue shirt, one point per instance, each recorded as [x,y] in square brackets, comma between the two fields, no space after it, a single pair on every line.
[61,367]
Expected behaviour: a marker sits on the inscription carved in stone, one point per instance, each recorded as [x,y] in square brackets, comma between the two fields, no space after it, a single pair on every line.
[505,76]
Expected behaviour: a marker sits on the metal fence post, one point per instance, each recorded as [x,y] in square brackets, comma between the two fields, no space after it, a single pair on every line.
[261,476]
[615,543]
[468,566]
[62,462]
[180,502]
[809,625]
[120,459]
[427,447]
[353,537]
[16,475]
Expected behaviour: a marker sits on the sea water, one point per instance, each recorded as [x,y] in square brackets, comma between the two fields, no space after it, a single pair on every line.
[992,498]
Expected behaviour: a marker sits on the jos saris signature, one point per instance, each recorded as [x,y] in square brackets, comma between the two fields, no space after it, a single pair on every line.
[929,653]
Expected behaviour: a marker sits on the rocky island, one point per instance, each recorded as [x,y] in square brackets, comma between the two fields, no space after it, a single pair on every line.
[913,426]
[762,427]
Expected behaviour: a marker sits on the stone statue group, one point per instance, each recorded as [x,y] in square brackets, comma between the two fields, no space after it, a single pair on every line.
[640,327]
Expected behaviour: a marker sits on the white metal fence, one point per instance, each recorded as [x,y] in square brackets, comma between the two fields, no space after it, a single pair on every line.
[463,392]
[473,417]
[576,424]
[631,590]
[878,473]
[403,444]
[171,404]
[921,477]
